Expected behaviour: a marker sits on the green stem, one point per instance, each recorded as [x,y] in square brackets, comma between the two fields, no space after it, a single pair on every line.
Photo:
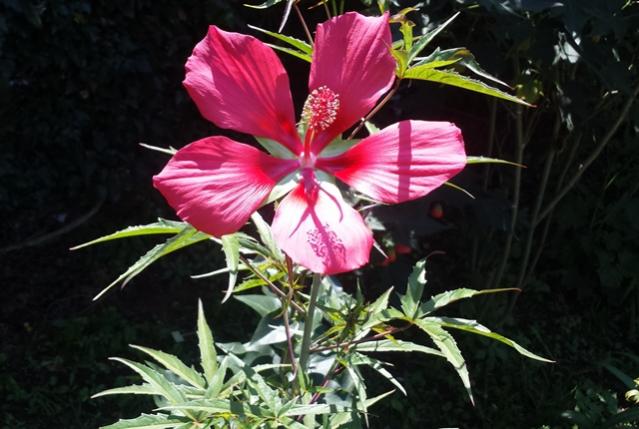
[308,323]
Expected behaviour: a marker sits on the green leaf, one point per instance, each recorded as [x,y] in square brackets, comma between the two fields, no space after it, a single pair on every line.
[459,188]
[293,52]
[424,40]
[175,365]
[377,365]
[484,160]
[449,77]
[208,355]
[148,421]
[371,127]
[266,235]
[338,147]
[459,57]
[184,238]
[266,4]
[135,389]
[231,247]
[295,43]
[414,290]
[162,226]
[168,150]
[406,28]
[448,346]
[155,379]
[283,187]
[274,148]
[217,381]
[475,328]
[445,298]
[262,304]
[383,346]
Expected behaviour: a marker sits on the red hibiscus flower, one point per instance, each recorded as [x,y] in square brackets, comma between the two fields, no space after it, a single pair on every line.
[239,83]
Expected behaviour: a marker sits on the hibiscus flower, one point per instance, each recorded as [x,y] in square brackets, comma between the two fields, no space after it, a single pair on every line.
[239,83]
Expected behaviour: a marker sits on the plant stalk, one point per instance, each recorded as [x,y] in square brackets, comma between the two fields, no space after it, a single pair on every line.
[376,109]
[308,323]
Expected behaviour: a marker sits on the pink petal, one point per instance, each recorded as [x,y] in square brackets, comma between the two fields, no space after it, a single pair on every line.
[215,184]
[352,58]
[319,231]
[402,162]
[239,83]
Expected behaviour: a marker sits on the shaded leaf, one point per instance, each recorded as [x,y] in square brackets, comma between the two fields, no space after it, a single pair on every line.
[231,248]
[208,355]
[148,421]
[175,365]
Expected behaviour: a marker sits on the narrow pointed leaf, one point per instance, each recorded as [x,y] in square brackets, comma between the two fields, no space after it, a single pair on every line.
[135,389]
[459,188]
[445,298]
[184,238]
[414,290]
[266,4]
[162,226]
[294,52]
[485,160]
[264,231]
[167,150]
[474,327]
[148,421]
[175,365]
[295,43]
[448,346]
[424,40]
[274,148]
[261,304]
[449,77]
[208,355]
[383,346]
[163,386]
[231,247]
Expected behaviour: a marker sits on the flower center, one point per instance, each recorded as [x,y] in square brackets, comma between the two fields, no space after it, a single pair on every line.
[320,108]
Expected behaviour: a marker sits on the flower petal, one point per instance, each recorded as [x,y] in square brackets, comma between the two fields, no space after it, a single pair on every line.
[318,230]
[215,184]
[402,162]
[239,83]
[352,58]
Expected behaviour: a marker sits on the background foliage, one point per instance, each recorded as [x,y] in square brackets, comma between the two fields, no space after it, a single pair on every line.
[82,82]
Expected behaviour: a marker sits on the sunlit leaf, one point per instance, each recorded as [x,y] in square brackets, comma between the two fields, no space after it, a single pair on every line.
[414,290]
[148,421]
[445,298]
[449,77]
[135,389]
[448,346]
[484,160]
[162,226]
[186,237]
[208,355]
[231,248]
[396,346]
[175,365]
[298,44]
[163,386]
[424,40]
[476,328]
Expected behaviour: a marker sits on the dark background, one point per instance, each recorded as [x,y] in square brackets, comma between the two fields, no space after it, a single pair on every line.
[83,82]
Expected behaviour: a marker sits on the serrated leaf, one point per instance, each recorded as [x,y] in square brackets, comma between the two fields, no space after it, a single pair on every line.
[274,148]
[261,304]
[231,248]
[208,355]
[184,238]
[148,421]
[383,346]
[448,297]
[163,386]
[135,389]
[264,231]
[175,365]
[448,346]
[414,290]
[474,327]
[449,77]
[485,160]
[424,40]
[217,381]
[162,226]
[295,43]
[459,57]
[377,365]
